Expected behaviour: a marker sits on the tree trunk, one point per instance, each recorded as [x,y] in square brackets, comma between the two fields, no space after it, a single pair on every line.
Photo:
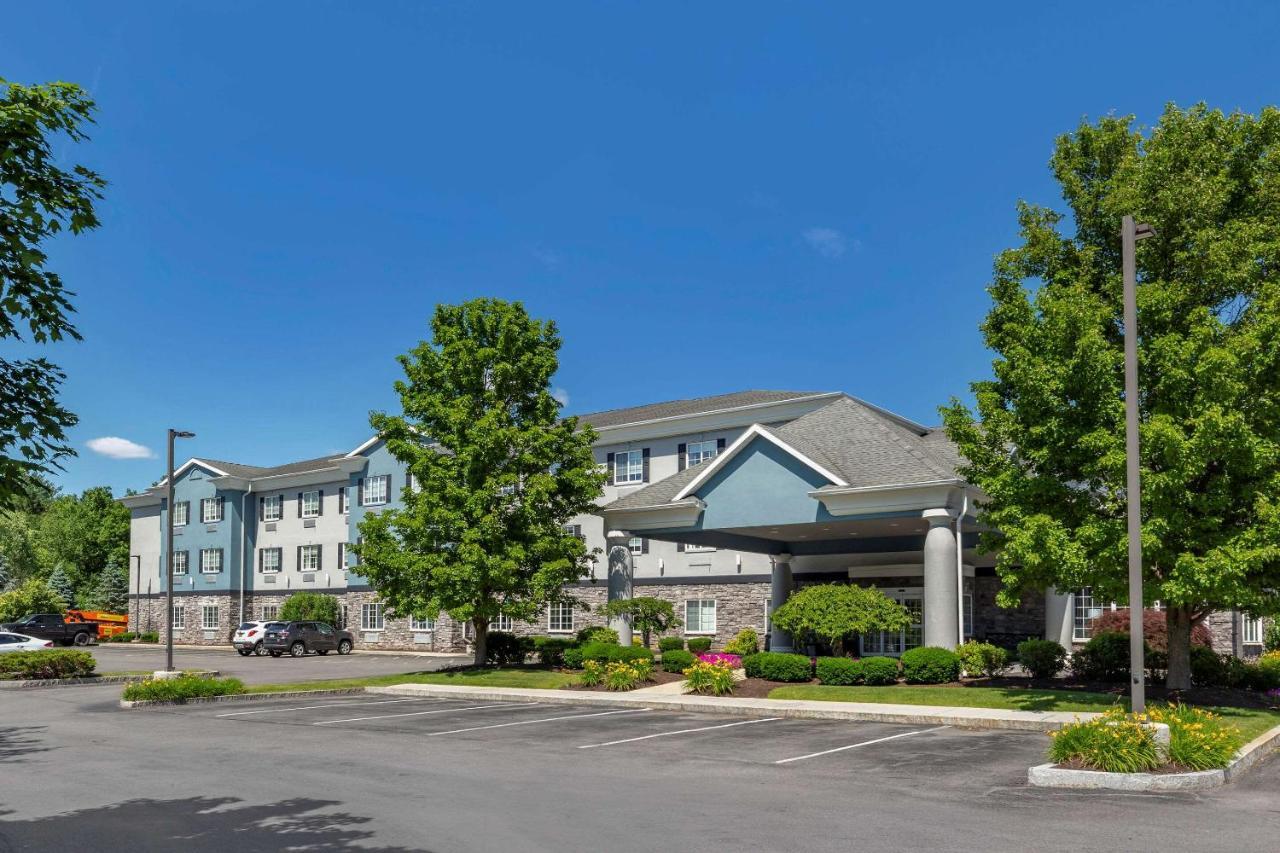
[1178,625]
[482,640]
[644,634]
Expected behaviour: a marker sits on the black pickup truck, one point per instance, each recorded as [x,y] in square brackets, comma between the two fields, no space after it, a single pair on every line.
[51,626]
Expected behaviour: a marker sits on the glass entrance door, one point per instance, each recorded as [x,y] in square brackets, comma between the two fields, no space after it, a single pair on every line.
[894,643]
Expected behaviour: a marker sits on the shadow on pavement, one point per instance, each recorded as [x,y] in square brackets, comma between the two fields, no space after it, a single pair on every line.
[19,741]
[195,825]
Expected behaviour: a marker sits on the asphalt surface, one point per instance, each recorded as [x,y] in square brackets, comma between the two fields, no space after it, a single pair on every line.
[382,773]
[123,657]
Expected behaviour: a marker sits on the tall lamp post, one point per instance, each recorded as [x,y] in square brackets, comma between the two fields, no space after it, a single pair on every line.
[1130,233]
[168,552]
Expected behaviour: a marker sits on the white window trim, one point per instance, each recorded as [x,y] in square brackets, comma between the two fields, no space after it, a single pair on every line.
[312,550]
[274,612]
[306,496]
[217,507]
[385,479]
[702,457]
[551,610]
[176,624]
[1252,627]
[715,617]
[638,467]
[186,563]
[279,566]
[186,517]
[205,571]
[270,501]
[204,617]
[1077,634]
[636,545]
[382,617]
[510,623]
[421,626]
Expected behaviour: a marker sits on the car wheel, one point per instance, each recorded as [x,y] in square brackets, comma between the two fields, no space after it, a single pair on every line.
[257,648]
[82,639]
[274,653]
[344,647]
[297,650]
[244,653]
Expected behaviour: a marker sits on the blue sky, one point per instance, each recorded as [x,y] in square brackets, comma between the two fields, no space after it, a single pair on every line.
[706,197]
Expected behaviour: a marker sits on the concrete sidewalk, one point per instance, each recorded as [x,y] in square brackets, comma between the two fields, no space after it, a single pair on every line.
[970,718]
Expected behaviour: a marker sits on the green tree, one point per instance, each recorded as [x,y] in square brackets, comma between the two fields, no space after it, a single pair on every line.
[1047,442]
[85,533]
[310,607]
[38,200]
[499,474]
[833,611]
[20,545]
[647,614]
[111,591]
[31,596]
[60,582]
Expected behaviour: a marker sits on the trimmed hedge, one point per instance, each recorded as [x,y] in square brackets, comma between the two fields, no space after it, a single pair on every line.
[54,663]
[879,671]
[982,658]
[1042,658]
[677,660]
[610,653]
[597,634]
[930,665]
[745,642]
[504,649]
[671,644]
[777,666]
[1104,658]
[698,645]
[839,671]
[551,650]
[182,687]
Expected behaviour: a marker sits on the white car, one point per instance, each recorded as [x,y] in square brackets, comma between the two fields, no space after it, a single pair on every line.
[247,639]
[22,643]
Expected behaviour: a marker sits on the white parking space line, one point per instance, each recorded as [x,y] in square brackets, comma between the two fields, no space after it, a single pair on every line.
[540,720]
[313,707]
[864,743]
[678,732]
[425,713]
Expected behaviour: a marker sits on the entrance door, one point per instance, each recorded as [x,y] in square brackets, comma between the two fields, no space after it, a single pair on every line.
[894,643]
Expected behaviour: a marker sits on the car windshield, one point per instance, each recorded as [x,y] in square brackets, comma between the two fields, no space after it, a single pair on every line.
[277,626]
[245,626]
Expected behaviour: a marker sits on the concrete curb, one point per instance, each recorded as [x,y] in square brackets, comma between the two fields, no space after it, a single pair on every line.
[969,718]
[1048,776]
[226,647]
[80,682]
[239,697]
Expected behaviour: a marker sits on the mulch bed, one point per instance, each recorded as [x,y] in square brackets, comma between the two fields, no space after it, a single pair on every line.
[658,677]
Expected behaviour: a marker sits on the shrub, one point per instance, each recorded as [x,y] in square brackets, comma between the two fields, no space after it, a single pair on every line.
[612,653]
[504,649]
[572,657]
[182,687]
[551,650]
[1271,638]
[620,675]
[671,644]
[1042,658]
[310,607]
[711,679]
[984,658]
[698,645]
[839,671]
[746,642]
[879,670]
[930,665]
[32,596]
[1198,739]
[54,663]
[592,673]
[1104,658]
[1154,628]
[1207,668]
[1114,742]
[122,637]
[731,661]
[1267,671]
[597,634]
[777,666]
[149,637]
[677,660]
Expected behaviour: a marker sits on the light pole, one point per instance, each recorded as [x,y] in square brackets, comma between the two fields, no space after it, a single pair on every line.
[1130,234]
[168,558]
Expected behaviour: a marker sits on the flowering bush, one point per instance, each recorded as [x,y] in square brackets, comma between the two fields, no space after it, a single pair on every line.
[714,679]
[1274,694]
[1198,739]
[1119,742]
[592,673]
[731,661]
[627,676]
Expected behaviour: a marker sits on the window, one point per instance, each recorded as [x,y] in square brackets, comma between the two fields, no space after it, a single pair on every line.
[503,623]
[1086,611]
[180,561]
[968,615]
[1252,631]
[272,507]
[636,545]
[210,561]
[309,558]
[410,483]
[371,617]
[628,467]
[342,555]
[700,616]
[894,643]
[560,617]
[310,506]
[181,513]
[209,617]
[376,489]
[575,530]
[690,548]
[270,612]
[210,510]
[700,451]
[342,500]
[344,617]
[416,624]
[270,560]
[179,617]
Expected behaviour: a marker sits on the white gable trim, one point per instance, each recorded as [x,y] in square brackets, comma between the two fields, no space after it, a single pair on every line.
[755,430]
[191,463]
[362,448]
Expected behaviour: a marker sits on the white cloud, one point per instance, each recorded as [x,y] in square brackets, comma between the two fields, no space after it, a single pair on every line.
[549,258]
[560,394]
[827,242]
[119,448]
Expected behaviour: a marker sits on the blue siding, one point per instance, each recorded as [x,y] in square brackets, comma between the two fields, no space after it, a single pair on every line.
[762,485]
[380,461]
[193,485]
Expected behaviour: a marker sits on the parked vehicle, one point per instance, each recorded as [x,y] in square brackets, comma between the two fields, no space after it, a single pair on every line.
[22,643]
[51,626]
[109,624]
[298,638]
[247,638]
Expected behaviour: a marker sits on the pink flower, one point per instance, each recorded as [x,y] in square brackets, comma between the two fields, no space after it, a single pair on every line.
[722,659]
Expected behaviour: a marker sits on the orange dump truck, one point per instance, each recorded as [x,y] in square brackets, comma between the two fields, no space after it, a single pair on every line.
[109,624]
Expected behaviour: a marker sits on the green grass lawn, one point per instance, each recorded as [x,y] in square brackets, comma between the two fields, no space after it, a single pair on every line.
[500,677]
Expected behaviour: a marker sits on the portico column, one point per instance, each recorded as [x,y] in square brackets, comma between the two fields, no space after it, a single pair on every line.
[781,585]
[941,596]
[621,572]
[1059,616]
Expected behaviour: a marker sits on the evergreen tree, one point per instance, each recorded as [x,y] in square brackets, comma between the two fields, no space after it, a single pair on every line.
[60,583]
[111,592]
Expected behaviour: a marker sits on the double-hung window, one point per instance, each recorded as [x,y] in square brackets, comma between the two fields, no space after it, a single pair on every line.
[272,507]
[503,623]
[270,560]
[310,506]
[421,625]
[636,545]
[309,558]
[628,467]
[180,562]
[371,617]
[560,617]
[210,561]
[178,619]
[210,510]
[181,513]
[376,490]
[342,500]
[270,612]
[700,616]
[1251,631]
[209,617]
[700,451]
[1087,610]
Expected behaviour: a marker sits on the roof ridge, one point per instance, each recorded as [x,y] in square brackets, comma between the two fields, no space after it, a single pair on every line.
[924,456]
[796,395]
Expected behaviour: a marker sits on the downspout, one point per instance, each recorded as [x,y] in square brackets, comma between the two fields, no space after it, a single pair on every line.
[244,538]
[964,508]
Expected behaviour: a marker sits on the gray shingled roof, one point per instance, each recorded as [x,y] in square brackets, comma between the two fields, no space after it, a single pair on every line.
[864,446]
[235,469]
[696,406]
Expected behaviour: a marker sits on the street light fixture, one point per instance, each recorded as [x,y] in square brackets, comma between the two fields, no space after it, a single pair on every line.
[1130,233]
[168,560]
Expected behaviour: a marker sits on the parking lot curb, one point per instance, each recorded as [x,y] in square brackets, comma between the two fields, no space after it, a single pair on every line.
[239,697]
[968,718]
[1048,776]
[81,682]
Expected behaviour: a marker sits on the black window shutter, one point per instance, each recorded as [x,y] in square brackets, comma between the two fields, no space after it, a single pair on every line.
[299,504]
[319,557]
[360,492]
[608,461]
[644,454]
[221,557]
[261,552]
[719,445]
[299,558]
[220,508]
[644,545]
[682,452]
[320,510]
[262,507]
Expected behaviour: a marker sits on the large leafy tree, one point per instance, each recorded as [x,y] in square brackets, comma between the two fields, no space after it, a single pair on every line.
[1047,442]
[499,473]
[85,533]
[39,199]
